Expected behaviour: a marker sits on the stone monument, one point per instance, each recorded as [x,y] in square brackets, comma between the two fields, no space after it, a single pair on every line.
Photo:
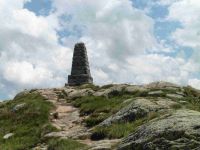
[80,73]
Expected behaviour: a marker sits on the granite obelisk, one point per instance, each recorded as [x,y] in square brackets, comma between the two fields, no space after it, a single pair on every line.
[80,73]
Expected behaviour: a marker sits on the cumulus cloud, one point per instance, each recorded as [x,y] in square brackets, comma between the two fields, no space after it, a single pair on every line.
[194,83]
[122,36]
[187,13]
[116,25]
[156,67]
[31,55]
[36,51]
[24,73]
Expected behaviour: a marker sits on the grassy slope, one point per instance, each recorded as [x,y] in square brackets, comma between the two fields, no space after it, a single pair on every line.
[99,108]
[28,124]
[32,122]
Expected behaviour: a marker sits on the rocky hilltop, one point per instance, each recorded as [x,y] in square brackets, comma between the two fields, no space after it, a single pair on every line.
[156,116]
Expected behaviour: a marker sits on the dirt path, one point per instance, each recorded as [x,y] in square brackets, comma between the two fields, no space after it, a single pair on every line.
[67,119]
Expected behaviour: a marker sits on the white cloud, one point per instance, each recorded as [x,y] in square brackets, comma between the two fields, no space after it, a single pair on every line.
[101,77]
[154,67]
[113,31]
[2,85]
[188,14]
[120,40]
[194,83]
[116,25]
[24,73]
[31,55]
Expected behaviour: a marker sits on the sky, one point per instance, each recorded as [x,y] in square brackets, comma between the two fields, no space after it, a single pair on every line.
[128,41]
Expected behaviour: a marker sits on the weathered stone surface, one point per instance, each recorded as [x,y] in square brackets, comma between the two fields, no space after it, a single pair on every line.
[25,92]
[161,84]
[75,93]
[109,91]
[40,147]
[156,92]
[139,108]
[176,96]
[80,73]
[135,88]
[180,131]
[104,144]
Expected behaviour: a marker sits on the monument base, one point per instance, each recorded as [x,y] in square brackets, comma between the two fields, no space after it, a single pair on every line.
[75,80]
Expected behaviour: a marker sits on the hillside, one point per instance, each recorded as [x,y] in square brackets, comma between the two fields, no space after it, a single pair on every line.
[159,115]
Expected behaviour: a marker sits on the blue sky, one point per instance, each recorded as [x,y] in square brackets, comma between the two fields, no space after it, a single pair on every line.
[141,41]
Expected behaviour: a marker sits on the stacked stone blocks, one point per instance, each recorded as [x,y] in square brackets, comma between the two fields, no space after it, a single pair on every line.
[80,73]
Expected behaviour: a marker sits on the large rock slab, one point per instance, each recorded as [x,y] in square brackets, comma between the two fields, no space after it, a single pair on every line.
[161,85]
[139,108]
[178,131]
[119,89]
[111,90]
[76,93]
[21,94]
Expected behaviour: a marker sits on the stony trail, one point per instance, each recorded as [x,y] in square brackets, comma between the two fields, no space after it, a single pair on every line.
[66,118]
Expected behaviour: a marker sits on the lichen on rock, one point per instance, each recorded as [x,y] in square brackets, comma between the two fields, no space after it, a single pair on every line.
[180,130]
[139,108]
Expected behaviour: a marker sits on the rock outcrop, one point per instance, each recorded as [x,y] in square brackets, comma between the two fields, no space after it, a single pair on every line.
[156,116]
[179,130]
[140,108]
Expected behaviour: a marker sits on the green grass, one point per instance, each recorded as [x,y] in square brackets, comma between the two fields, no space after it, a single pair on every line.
[191,92]
[93,104]
[116,131]
[65,144]
[176,106]
[95,119]
[192,97]
[124,92]
[28,124]
[98,108]
[194,103]
[121,130]
[107,86]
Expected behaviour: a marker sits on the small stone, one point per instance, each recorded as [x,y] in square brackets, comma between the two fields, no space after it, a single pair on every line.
[62,100]
[183,102]
[174,96]
[18,107]
[7,136]
[156,92]
[180,93]
[55,115]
